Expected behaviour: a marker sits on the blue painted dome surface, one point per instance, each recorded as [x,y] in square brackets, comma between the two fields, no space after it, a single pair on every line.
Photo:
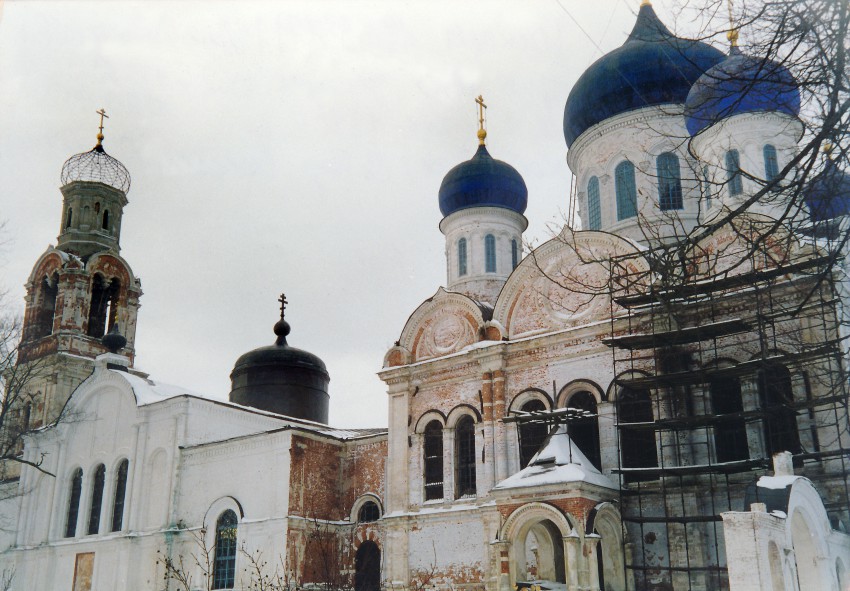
[740,84]
[653,67]
[828,196]
[483,181]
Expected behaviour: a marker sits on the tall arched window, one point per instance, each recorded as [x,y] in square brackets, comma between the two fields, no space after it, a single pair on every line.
[461,257]
[489,253]
[585,432]
[733,172]
[780,418]
[105,224]
[465,457]
[637,444]
[120,493]
[74,503]
[224,561]
[46,306]
[730,432]
[771,164]
[624,185]
[69,217]
[104,306]
[594,208]
[514,253]
[669,181]
[432,451]
[96,499]
[531,435]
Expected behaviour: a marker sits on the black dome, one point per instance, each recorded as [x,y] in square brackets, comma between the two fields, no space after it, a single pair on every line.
[282,379]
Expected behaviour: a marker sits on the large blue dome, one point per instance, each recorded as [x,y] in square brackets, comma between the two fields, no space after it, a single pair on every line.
[740,84]
[828,196]
[483,181]
[653,67]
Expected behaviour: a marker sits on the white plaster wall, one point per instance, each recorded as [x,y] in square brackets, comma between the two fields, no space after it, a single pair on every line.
[474,224]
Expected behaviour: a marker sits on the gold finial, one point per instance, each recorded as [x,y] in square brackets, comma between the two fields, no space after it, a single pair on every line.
[482,133]
[102,114]
[732,35]
[645,3]
[827,149]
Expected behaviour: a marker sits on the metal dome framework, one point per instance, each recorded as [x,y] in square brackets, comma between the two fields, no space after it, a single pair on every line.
[96,166]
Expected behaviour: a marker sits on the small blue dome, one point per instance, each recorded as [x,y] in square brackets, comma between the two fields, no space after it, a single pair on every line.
[653,67]
[483,181]
[828,196]
[740,84]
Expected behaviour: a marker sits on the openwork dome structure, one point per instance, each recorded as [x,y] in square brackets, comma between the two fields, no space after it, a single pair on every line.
[96,166]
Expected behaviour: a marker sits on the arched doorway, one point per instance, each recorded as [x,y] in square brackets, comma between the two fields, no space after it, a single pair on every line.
[367,567]
[540,553]
[809,575]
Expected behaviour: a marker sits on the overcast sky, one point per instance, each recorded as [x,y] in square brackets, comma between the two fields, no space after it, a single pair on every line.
[290,147]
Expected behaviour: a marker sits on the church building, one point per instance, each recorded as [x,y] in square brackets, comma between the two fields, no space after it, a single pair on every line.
[654,399]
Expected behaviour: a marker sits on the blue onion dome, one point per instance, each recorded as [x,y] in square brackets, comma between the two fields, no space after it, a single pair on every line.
[828,196]
[740,84]
[96,166]
[483,181]
[653,67]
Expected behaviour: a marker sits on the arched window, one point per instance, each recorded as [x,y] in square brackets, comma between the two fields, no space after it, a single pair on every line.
[367,567]
[465,457]
[669,181]
[461,257]
[369,512]
[224,562]
[733,172]
[637,444]
[771,164]
[585,432]
[47,295]
[624,185]
[104,306]
[26,416]
[780,418]
[594,208]
[74,503]
[489,253]
[730,432]
[96,499]
[69,217]
[105,224]
[514,254]
[120,493]
[432,450]
[531,435]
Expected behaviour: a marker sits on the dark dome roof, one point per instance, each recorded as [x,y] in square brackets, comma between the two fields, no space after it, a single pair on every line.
[96,166]
[829,194]
[483,181]
[653,67]
[282,379]
[740,84]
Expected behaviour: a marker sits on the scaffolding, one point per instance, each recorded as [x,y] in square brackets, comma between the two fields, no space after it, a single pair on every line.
[716,370]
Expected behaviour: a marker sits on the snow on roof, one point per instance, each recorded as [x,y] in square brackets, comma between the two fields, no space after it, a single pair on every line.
[147,391]
[777,482]
[560,460]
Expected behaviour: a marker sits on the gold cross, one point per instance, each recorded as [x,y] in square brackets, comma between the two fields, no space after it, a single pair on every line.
[283,302]
[102,114]
[482,133]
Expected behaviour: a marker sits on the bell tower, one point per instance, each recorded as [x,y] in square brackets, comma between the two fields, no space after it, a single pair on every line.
[80,289]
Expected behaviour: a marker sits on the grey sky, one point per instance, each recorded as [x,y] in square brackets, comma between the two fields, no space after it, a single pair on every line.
[285,146]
